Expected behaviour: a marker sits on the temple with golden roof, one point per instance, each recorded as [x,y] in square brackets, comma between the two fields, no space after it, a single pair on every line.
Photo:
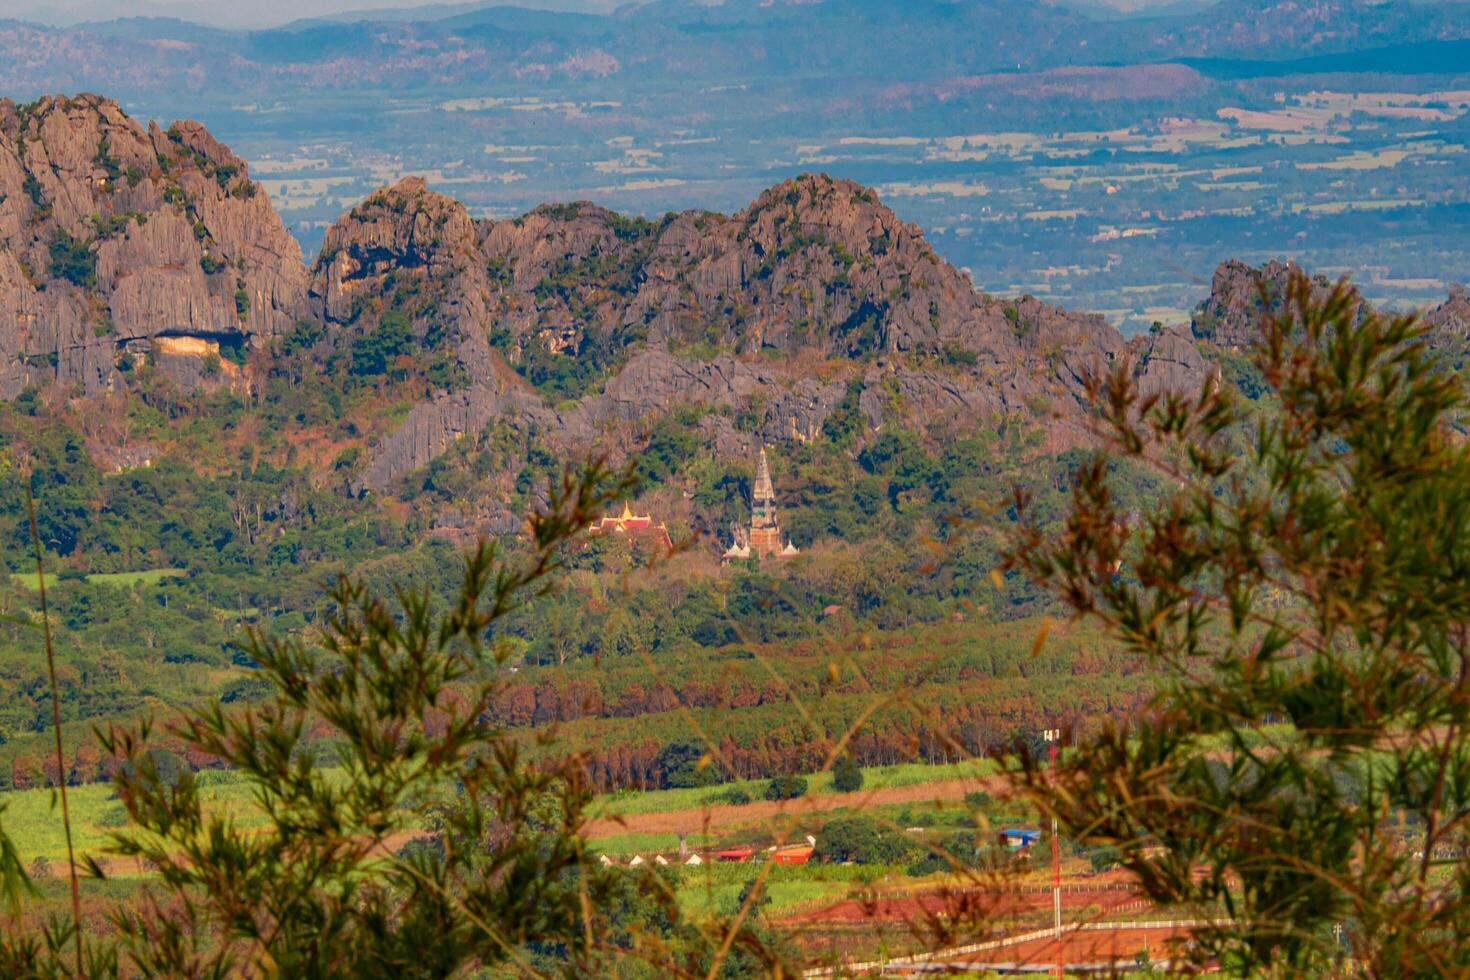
[763,540]
[639,527]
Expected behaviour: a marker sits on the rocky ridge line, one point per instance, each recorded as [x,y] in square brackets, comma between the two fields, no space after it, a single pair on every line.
[120,245]
[814,267]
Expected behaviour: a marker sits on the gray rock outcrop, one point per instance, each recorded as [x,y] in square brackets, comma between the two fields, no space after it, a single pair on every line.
[1168,360]
[112,235]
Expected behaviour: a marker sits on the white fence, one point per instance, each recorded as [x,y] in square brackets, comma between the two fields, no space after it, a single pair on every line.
[1025,937]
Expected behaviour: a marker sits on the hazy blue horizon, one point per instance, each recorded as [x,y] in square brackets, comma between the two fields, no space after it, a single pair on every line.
[273,13]
[257,14]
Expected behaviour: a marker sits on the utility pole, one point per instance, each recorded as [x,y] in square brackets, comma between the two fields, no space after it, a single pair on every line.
[1053,736]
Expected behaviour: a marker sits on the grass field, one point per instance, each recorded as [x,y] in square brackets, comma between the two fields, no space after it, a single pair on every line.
[623,844]
[33,817]
[633,803]
[715,888]
[122,580]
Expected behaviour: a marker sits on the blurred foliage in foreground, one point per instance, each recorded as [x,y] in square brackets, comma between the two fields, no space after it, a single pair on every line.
[1312,573]
[337,882]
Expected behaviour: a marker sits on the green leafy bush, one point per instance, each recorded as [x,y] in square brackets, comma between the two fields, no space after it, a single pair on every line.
[734,796]
[33,189]
[862,840]
[683,765]
[73,260]
[376,352]
[785,788]
[960,852]
[847,775]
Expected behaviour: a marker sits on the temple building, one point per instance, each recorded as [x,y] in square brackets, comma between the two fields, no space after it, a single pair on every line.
[636,527]
[763,540]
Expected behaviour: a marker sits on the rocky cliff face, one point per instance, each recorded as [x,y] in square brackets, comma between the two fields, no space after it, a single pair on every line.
[816,269]
[122,246]
[813,264]
[407,248]
[1449,325]
[1168,360]
[113,237]
[1241,294]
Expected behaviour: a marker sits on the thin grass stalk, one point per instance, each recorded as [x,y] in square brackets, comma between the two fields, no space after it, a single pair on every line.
[71,859]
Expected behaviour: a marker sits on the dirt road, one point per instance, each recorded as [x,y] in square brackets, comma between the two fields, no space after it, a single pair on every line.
[1099,948]
[970,903]
[717,819]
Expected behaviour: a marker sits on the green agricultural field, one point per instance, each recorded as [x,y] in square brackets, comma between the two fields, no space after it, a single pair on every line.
[33,817]
[632,803]
[715,888]
[626,845]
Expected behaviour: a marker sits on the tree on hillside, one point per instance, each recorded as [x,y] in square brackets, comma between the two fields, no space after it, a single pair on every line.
[785,788]
[847,775]
[1308,570]
[862,840]
[377,352]
[72,259]
[684,765]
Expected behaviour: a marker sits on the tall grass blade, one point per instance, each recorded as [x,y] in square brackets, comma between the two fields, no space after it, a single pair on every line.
[71,859]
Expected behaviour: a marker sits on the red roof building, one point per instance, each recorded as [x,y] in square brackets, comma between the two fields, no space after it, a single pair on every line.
[639,528]
[738,855]
[794,854]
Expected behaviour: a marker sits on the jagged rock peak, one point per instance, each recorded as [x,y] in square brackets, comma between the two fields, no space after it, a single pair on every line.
[813,264]
[168,237]
[1240,294]
[1452,317]
[414,253]
[852,213]
[401,228]
[1449,327]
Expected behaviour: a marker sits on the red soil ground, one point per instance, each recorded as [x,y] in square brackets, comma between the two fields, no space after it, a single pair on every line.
[968,904]
[1111,946]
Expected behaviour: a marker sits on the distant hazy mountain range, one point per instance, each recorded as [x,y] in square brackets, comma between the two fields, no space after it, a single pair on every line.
[264,14]
[1101,154]
[874,40]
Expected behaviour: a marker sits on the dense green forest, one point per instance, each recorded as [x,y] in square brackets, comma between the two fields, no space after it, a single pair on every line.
[157,570]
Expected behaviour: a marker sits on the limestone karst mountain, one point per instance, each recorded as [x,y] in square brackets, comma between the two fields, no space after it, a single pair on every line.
[1450,322]
[698,308]
[123,246]
[128,251]
[118,240]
